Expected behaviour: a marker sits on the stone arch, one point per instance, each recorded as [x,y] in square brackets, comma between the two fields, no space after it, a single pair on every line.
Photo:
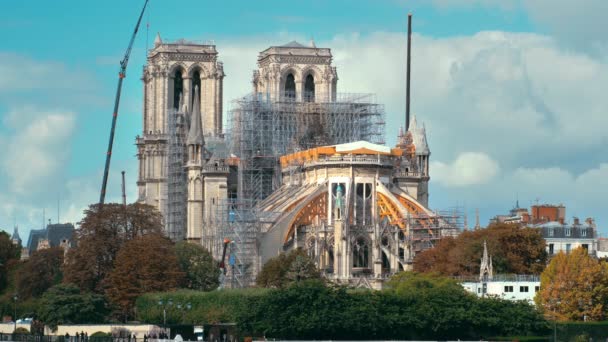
[203,71]
[177,72]
[285,72]
[314,71]
[312,78]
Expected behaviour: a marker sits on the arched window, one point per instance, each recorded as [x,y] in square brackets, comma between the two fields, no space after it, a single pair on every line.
[309,89]
[196,82]
[178,87]
[361,254]
[290,87]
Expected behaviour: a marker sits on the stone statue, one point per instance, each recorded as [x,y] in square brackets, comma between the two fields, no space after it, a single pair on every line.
[339,201]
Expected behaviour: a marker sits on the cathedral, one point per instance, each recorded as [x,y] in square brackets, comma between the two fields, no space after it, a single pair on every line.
[300,166]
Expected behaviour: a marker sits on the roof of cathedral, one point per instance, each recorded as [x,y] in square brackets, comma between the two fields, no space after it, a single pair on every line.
[294,44]
[362,146]
[195,134]
[418,137]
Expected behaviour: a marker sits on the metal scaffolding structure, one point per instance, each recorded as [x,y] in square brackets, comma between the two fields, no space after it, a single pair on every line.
[238,221]
[261,130]
[176,197]
[425,231]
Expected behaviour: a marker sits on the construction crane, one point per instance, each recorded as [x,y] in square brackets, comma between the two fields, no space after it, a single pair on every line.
[222,264]
[121,76]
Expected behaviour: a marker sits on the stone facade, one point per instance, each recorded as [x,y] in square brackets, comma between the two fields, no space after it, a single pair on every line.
[308,67]
[172,72]
[345,205]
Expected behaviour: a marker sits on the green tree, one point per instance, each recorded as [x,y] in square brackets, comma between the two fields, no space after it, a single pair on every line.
[513,249]
[66,304]
[414,307]
[145,264]
[101,234]
[201,271]
[285,269]
[573,287]
[8,252]
[40,272]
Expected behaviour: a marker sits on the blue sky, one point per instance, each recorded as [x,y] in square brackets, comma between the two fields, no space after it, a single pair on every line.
[510,94]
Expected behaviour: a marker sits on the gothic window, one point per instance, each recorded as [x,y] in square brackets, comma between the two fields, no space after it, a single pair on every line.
[178,84]
[363,212]
[309,89]
[290,87]
[361,254]
[196,82]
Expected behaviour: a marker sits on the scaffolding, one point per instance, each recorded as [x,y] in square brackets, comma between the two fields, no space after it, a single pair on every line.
[236,220]
[426,230]
[176,198]
[262,130]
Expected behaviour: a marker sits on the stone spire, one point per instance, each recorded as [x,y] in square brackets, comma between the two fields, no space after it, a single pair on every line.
[157,40]
[16,238]
[418,137]
[195,134]
[485,270]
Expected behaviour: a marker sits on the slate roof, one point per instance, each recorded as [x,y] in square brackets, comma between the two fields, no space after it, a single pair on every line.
[294,44]
[55,233]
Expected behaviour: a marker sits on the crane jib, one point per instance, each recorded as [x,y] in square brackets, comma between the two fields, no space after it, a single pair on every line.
[121,76]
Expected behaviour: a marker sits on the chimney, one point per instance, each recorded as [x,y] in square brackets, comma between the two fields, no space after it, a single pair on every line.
[576,221]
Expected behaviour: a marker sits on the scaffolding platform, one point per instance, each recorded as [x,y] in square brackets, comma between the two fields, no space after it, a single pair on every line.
[262,130]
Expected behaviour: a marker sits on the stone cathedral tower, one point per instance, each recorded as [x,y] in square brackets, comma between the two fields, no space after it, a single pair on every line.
[303,73]
[172,73]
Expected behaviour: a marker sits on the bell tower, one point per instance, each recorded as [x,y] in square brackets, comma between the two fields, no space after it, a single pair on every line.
[172,73]
[296,72]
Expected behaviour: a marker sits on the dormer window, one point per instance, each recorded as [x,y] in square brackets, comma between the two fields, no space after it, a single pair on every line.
[568,231]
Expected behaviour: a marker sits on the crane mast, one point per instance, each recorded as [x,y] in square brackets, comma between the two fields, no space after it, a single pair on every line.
[121,76]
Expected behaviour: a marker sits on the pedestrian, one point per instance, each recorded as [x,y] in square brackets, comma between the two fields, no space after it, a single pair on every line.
[67,337]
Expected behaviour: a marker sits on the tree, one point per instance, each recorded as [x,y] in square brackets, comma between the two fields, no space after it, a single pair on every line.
[40,272]
[513,250]
[65,304]
[414,307]
[101,235]
[201,271]
[573,287]
[288,268]
[145,264]
[8,252]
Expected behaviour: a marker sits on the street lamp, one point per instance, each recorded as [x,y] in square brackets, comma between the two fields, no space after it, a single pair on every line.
[15,297]
[162,304]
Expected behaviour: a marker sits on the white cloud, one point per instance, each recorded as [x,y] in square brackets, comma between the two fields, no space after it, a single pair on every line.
[521,100]
[37,152]
[579,24]
[469,168]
